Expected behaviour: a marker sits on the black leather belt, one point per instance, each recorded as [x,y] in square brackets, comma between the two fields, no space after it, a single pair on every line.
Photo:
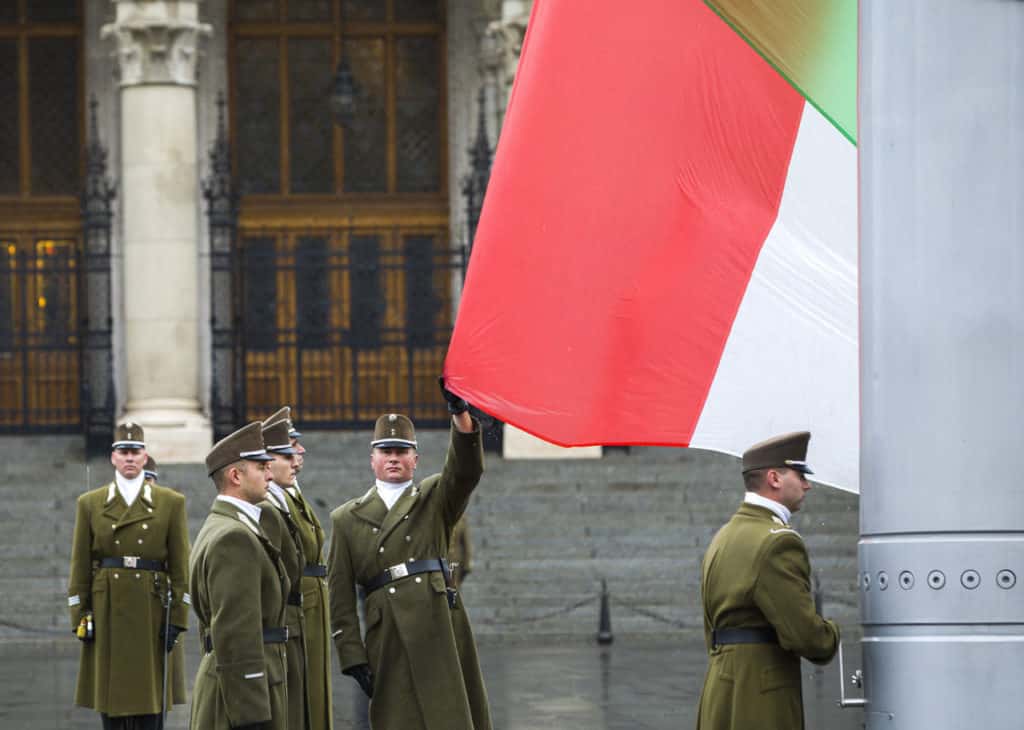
[294,599]
[276,635]
[403,570]
[314,570]
[129,561]
[763,635]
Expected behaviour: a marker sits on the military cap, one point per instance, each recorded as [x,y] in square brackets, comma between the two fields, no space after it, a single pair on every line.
[393,429]
[128,435]
[284,414]
[245,443]
[149,469]
[788,450]
[275,436]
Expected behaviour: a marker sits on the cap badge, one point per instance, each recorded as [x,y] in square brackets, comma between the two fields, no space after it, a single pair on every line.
[392,418]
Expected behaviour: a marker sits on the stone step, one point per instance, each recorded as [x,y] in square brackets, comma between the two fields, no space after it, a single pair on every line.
[544,533]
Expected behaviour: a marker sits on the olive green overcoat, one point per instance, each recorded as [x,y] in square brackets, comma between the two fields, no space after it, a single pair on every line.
[121,671]
[278,523]
[756,574]
[239,586]
[422,653]
[314,606]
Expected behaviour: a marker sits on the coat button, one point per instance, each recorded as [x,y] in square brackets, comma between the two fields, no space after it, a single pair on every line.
[418,579]
[113,526]
[137,575]
[116,575]
[117,542]
[145,526]
[375,530]
[381,549]
[406,517]
[140,541]
[149,509]
[391,590]
[408,538]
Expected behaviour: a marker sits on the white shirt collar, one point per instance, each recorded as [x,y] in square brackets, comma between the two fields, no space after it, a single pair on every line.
[390,492]
[129,488]
[278,492]
[250,509]
[780,510]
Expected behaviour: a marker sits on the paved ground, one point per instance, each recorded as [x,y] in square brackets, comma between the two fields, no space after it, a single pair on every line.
[556,685]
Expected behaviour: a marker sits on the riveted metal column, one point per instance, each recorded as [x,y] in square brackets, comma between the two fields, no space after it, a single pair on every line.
[942,312]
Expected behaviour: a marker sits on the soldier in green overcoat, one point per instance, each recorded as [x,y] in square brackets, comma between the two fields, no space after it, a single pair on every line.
[759,614]
[418,662]
[130,547]
[279,520]
[239,588]
[314,586]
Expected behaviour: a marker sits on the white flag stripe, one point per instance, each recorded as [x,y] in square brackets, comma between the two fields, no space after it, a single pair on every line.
[791,360]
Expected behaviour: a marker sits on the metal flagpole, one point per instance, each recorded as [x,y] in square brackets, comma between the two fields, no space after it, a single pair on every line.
[942,351]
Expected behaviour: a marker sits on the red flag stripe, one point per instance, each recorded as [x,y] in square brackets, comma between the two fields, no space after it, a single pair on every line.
[639,171]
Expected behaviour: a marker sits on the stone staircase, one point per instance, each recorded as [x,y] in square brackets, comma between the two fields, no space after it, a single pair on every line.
[545,533]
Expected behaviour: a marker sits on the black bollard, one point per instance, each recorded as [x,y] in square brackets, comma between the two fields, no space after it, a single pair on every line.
[604,627]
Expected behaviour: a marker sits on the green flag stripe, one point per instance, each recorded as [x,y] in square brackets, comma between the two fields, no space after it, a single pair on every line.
[810,43]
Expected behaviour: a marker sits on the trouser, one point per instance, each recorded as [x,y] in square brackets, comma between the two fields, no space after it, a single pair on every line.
[132,722]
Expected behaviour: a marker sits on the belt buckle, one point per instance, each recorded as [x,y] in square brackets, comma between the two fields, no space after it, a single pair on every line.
[286,633]
[130,561]
[398,571]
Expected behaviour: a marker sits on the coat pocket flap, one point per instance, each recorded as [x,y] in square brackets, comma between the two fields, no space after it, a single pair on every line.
[779,676]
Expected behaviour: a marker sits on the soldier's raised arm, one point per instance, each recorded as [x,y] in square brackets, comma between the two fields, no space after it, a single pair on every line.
[464,462]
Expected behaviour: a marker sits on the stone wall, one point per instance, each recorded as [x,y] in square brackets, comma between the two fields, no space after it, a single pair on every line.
[545,533]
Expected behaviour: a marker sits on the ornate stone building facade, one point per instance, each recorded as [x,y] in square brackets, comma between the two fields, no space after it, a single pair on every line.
[329,273]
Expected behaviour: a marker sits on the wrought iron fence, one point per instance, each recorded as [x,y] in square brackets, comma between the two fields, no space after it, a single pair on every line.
[55,316]
[97,388]
[345,324]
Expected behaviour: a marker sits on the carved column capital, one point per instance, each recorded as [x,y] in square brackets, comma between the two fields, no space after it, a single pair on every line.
[500,46]
[157,41]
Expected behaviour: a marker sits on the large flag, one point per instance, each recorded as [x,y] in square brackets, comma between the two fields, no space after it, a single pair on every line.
[667,251]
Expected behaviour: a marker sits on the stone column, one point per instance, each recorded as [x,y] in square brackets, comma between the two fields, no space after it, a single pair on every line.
[156,55]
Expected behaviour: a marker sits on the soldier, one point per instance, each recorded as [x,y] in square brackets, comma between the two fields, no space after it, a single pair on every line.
[239,588]
[460,552]
[279,518]
[149,470]
[130,548]
[759,614]
[314,587]
[418,663]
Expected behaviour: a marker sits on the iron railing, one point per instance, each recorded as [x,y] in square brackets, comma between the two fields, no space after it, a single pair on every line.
[97,385]
[344,324]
